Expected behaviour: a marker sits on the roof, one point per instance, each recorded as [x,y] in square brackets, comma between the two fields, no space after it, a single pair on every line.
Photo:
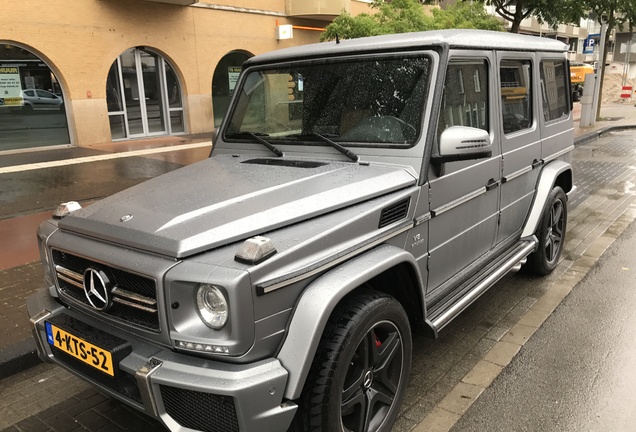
[471,39]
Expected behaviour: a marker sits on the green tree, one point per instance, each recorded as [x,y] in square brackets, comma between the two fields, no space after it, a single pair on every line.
[402,16]
[465,15]
[546,11]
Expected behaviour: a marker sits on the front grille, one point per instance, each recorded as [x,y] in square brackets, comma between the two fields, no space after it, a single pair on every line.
[134,297]
[200,411]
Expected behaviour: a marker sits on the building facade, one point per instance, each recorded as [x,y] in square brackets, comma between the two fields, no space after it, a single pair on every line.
[86,72]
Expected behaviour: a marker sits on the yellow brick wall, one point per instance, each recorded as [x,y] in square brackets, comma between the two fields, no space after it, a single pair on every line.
[80,39]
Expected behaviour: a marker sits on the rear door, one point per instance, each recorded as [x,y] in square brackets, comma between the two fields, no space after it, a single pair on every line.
[520,139]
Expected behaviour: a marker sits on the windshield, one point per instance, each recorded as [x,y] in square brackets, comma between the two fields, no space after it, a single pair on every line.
[351,102]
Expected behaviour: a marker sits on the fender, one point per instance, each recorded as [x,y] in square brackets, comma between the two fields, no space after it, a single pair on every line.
[319,300]
[545,184]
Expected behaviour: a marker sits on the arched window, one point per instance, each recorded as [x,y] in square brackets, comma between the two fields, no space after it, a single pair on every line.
[224,80]
[143,96]
[32,108]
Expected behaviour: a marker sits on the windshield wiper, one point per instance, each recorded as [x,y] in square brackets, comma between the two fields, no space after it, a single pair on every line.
[345,151]
[258,136]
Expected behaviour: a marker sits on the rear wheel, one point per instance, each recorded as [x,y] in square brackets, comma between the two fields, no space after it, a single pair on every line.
[359,375]
[551,234]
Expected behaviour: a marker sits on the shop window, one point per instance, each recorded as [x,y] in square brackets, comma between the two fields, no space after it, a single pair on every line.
[223,82]
[32,106]
[143,96]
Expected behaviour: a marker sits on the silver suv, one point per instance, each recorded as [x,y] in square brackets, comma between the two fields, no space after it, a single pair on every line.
[355,189]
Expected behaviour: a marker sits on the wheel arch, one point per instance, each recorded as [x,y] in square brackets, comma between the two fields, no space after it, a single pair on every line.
[322,296]
[556,173]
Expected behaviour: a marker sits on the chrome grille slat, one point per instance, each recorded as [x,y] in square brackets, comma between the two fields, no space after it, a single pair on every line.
[133,296]
[66,272]
[70,280]
[134,305]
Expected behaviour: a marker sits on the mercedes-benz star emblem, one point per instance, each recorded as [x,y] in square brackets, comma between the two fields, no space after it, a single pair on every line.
[96,288]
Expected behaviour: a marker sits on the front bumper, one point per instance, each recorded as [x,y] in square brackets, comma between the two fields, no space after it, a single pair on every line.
[183,392]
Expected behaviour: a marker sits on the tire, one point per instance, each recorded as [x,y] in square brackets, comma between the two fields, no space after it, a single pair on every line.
[551,234]
[365,350]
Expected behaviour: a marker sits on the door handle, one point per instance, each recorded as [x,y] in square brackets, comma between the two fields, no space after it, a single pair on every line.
[536,163]
[492,184]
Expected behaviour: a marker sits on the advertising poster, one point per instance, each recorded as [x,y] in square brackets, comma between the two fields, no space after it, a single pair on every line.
[10,87]
[233,73]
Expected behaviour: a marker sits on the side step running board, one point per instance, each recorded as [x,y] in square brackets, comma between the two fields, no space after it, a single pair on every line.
[478,285]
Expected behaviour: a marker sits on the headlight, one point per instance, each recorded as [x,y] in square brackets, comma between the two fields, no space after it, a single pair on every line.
[212,306]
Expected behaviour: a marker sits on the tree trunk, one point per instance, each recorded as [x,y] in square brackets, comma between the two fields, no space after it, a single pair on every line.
[600,72]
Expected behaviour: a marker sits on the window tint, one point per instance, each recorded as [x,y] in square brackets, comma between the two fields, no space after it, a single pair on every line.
[516,94]
[465,101]
[554,91]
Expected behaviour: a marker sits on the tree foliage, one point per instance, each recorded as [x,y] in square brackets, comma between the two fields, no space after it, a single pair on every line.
[546,11]
[403,16]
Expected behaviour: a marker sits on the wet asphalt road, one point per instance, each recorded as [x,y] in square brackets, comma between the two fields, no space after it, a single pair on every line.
[577,372]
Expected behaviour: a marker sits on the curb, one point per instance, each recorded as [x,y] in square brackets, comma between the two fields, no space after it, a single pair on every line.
[18,357]
[591,136]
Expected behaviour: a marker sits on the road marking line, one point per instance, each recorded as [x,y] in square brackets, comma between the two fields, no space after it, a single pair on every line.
[74,161]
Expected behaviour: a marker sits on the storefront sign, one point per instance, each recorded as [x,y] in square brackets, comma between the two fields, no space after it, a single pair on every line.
[233,73]
[10,87]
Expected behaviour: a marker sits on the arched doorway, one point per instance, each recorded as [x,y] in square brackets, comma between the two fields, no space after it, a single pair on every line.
[32,106]
[143,95]
[224,80]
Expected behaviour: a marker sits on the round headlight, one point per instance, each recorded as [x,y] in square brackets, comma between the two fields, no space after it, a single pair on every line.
[212,306]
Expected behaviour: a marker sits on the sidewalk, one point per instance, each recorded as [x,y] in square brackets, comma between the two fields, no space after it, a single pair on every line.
[31,195]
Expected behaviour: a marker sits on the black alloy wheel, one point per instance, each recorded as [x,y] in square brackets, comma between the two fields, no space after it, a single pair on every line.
[372,378]
[358,378]
[550,233]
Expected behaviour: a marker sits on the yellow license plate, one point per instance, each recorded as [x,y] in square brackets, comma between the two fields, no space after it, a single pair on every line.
[92,355]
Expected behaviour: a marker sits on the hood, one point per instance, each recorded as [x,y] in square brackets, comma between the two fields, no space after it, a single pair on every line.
[225,199]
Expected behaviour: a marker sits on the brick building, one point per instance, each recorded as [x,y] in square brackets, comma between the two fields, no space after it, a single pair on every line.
[84,72]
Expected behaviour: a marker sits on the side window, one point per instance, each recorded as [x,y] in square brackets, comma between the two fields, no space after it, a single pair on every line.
[516,94]
[465,101]
[554,91]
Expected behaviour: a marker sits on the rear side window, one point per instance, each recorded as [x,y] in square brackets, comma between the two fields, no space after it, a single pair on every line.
[516,94]
[465,101]
[554,90]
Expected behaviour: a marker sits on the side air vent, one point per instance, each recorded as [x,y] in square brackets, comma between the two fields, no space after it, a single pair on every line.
[394,213]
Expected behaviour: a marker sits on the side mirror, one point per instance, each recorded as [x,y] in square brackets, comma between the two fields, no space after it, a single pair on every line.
[459,143]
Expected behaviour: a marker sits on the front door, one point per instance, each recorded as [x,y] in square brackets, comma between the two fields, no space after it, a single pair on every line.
[464,196]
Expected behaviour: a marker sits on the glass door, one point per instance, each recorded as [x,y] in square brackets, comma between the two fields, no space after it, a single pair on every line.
[146,108]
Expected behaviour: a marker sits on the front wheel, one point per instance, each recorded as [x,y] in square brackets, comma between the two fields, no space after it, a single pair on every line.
[359,375]
[551,234]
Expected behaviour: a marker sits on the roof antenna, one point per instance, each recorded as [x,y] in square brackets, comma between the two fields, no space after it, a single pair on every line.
[337,39]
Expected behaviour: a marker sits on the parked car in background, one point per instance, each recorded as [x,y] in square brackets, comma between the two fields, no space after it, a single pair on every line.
[355,189]
[41,100]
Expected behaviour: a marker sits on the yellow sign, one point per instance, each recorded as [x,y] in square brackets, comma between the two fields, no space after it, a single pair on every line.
[10,86]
